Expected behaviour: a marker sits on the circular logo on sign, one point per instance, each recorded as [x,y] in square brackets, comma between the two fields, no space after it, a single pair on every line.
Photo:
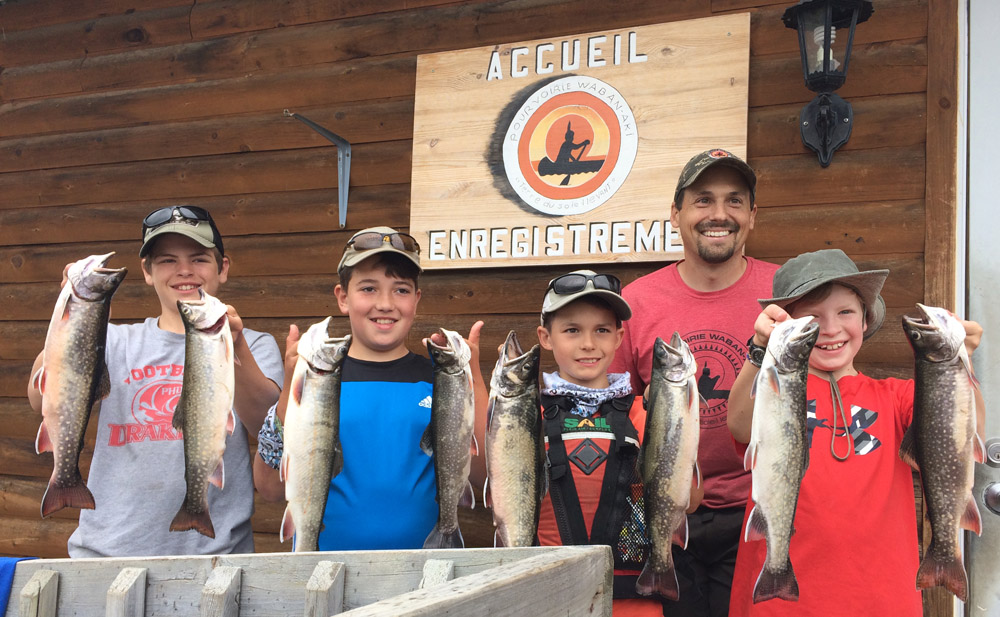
[570,146]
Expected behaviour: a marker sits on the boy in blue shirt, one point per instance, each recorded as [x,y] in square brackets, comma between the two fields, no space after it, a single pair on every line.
[385,496]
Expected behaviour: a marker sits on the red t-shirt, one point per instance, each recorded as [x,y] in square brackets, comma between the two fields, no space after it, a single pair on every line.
[716,326]
[854,550]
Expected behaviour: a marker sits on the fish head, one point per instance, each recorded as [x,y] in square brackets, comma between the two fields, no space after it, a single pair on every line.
[936,336]
[321,351]
[207,314]
[91,280]
[516,374]
[453,356]
[792,341]
[673,361]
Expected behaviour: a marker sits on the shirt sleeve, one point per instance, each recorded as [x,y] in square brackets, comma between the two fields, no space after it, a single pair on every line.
[267,355]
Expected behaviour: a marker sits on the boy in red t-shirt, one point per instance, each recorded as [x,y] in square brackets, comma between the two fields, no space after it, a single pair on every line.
[854,548]
[594,424]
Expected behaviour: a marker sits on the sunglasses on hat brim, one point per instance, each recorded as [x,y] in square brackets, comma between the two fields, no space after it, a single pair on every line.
[369,240]
[572,283]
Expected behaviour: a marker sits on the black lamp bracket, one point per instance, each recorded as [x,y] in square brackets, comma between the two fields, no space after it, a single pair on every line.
[825,124]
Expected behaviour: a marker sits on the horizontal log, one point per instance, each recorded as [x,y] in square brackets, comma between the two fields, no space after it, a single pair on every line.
[856,176]
[313,168]
[21,497]
[236,215]
[868,228]
[881,68]
[19,15]
[879,122]
[325,85]
[20,459]
[358,123]
[29,537]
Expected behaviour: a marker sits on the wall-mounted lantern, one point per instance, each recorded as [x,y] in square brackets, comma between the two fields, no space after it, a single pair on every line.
[826,121]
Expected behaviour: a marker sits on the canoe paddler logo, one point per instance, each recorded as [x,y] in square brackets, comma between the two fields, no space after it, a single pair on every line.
[570,145]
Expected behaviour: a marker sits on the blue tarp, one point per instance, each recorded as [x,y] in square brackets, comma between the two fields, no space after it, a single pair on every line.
[7,567]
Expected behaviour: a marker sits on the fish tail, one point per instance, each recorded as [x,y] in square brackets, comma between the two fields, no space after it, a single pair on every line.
[776,584]
[75,496]
[199,521]
[949,573]
[441,539]
[662,583]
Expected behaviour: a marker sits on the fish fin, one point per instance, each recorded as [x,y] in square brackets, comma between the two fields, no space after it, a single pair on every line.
[490,405]
[75,496]
[231,422]
[780,584]
[218,477]
[287,529]
[963,354]
[978,448]
[338,461]
[427,441]
[475,446]
[756,526]
[38,379]
[487,496]
[103,382]
[43,443]
[750,457]
[178,421]
[949,574]
[497,539]
[753,387]
[773,379]
[468,498]
[692,392]
[971,520]
[680,537]
[200,521]
[438,539]
[908,448]
[283,466]
[662,583]
[697,479]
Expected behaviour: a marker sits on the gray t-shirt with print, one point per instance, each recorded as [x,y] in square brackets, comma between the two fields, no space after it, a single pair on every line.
[137,473]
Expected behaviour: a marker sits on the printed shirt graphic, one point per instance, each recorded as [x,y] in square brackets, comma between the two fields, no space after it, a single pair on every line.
[137,472]
[854,550]
[716,326]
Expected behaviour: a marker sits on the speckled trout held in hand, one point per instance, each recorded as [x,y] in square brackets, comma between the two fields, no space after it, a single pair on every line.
[449,437]
[73,376]
[942,443]
[204,411]
[312,454]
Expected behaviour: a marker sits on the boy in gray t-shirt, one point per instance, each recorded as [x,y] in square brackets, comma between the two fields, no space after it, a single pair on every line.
[137,472]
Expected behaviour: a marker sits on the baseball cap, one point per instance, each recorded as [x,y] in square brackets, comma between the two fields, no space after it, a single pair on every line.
[190,221]
[568,288]
[804,273]
[717,156]
[374,240]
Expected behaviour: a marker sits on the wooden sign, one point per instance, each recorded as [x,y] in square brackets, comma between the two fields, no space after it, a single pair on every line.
[567,150]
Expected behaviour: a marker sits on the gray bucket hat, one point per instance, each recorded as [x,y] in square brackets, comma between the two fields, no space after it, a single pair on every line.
[804,273]
[571,287]
[375,240]
[709,158]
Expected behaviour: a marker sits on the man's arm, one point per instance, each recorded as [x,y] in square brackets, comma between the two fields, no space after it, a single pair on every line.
[740,407]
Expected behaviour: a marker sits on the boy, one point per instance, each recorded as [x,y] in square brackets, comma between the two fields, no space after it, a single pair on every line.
[137,472]
[385,496]
[853,550]
[594,426]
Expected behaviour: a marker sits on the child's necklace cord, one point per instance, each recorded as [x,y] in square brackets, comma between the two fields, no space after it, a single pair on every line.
[838,408]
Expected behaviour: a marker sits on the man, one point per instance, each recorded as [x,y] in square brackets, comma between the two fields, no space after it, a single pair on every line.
[710,298]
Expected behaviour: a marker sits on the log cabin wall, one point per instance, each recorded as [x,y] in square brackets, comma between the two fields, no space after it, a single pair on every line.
[110,108]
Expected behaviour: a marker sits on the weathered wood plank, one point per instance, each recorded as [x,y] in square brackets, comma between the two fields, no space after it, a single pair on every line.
[893,67]
[879,122]
[859,175]
[39,597]
[220,596]
[263,172]
[358,123]
[288,211]
[34,537]
[127,594]
[377,78]
[18,15]
[325,590]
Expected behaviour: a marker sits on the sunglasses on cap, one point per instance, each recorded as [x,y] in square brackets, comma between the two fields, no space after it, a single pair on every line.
[572,283]
[369,240]
[192,215]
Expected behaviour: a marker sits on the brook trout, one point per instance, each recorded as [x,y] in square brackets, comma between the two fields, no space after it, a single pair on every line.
[312,453]
[778,453]
[515,450]
[668,460]
[942,443]
[204,411]
[74,376]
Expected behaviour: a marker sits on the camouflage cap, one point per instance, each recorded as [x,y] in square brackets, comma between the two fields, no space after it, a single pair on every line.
[717,156]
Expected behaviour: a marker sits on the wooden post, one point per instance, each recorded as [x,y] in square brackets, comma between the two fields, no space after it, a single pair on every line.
[221,595]
[437,571]
[325,590]
[127,594]
[40,594]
